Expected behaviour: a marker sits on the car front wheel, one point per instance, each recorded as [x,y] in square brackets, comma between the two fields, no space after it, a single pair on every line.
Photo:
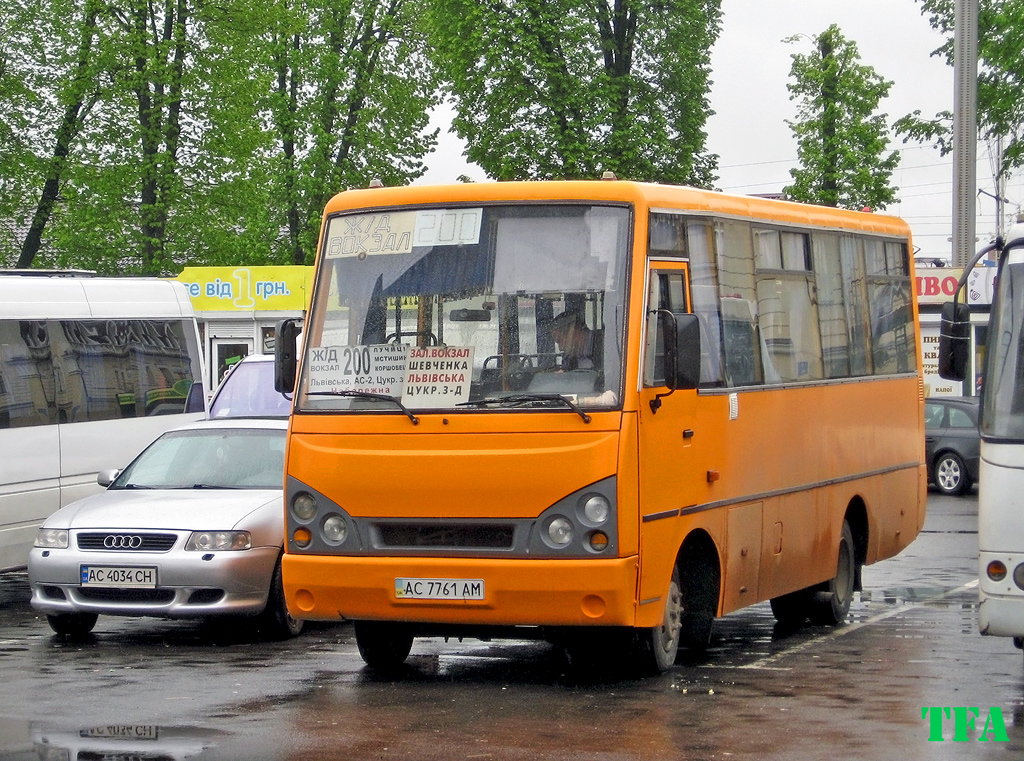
[74,625]
[951,474]
[276,622]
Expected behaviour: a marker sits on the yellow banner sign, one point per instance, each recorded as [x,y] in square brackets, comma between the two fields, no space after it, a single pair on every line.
[248,289]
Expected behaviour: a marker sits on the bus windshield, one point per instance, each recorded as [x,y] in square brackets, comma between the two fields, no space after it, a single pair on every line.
[498,306]
[1002,409]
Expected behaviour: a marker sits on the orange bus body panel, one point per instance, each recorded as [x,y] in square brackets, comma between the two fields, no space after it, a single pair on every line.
[541,592]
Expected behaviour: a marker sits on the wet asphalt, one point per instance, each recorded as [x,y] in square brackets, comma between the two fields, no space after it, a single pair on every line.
[154,689]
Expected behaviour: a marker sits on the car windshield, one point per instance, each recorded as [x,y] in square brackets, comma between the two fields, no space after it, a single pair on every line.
[248,391]
[511,306]
[221,458]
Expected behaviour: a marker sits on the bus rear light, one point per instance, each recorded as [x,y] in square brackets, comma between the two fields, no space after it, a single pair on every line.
[996,570]
[302,537]
[598,541]
[1018,576]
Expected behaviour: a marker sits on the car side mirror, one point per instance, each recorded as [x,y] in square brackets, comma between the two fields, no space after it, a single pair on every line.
[106,477]
[285,356]
[954,340]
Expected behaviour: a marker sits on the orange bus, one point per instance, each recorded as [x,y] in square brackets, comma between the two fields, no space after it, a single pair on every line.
[597,412]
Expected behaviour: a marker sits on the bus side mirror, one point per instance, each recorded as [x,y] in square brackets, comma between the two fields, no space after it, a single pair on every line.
[954,340]
[687,365]
[285,359]
[681,334]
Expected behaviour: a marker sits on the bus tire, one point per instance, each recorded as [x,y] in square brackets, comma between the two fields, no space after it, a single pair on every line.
[275,622]
[791,610]
[830,604]
[383,646]
[74,625]
[657,647]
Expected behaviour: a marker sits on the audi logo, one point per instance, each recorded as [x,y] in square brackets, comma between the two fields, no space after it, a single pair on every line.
[122,542]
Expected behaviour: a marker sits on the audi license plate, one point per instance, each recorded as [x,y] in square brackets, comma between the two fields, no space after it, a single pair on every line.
[118,576]
[439,589]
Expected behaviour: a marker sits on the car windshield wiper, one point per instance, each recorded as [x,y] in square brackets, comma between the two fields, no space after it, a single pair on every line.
[367,395]
[518,400]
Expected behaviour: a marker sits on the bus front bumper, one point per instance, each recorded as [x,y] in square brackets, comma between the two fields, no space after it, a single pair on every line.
[514,592]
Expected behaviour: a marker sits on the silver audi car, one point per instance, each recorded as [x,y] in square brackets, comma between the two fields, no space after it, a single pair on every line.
[193,527]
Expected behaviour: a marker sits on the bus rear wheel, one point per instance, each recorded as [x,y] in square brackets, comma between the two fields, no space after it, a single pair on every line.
[830,603]
[383,646]
[791,610]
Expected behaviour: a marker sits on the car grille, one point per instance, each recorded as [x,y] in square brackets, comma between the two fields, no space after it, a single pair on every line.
[154,596]
[433,535]
[125,541]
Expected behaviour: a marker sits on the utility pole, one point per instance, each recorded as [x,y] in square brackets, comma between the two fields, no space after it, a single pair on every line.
[965,130]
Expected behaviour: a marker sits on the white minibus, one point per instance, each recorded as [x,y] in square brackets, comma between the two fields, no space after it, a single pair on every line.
[92,369]
[1001,423]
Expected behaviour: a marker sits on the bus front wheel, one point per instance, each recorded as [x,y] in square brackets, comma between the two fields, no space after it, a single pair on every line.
[657,648]
[383,646]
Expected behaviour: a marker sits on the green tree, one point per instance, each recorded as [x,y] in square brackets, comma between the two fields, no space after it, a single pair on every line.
[215,132]
[568,88]
[1000,94]
[48,84]
[842,143]
[353,88]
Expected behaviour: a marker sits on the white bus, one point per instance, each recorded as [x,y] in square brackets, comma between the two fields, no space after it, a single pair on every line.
[1001,423]
[91,370]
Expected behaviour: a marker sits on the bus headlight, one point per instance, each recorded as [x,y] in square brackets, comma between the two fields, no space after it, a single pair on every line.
[335,529]
[204,541]
[52,538]
[304,507]
[597,509]
[560,532]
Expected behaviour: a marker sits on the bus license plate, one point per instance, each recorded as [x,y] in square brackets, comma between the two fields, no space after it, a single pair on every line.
[439,589]
[118,576]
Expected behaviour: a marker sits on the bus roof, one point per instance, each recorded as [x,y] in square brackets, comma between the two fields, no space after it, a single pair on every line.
[651,195]
[61,297]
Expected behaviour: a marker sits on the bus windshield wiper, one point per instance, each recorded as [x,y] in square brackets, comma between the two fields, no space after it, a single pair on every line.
[520,399]
[367,395]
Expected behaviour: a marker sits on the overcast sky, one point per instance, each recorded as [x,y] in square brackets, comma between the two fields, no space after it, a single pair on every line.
[750,71]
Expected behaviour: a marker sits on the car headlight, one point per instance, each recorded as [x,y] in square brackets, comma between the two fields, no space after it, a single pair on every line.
[52,538]
[207,541]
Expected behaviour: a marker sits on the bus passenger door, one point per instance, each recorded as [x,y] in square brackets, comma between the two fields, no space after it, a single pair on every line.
[668,440]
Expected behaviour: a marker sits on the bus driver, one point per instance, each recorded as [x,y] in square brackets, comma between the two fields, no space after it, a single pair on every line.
[574,339]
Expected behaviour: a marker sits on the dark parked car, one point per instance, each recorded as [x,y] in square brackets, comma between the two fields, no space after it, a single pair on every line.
[952,443]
